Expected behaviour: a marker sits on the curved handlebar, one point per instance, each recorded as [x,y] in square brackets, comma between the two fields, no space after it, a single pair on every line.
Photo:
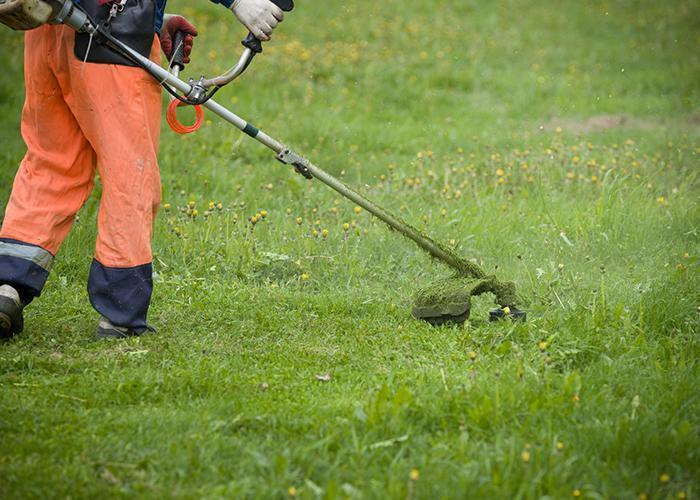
[233,73]
[252,46]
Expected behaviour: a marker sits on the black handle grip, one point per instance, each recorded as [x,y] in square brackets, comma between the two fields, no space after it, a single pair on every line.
[253,43]
[285,5]
[179,48]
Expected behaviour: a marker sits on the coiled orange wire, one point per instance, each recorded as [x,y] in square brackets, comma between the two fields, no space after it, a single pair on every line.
[175,125]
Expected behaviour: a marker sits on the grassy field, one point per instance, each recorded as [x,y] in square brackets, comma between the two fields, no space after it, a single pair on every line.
[558,145]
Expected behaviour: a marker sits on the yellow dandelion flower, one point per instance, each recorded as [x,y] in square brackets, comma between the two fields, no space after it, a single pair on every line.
[346,226]
[292,491]
[443,212]
[506,310]
[191,204]
[576,493]
[324,233]
[166,206]
[500,172]
[560,446]
[299,220]
[542,345]
[472,355]
[289,211]
[643,496]
[263,213]
[219,206]
[357,210]
[304,276]
[414,474]
[212,205]
[681,495]
[525,456]
[664,478]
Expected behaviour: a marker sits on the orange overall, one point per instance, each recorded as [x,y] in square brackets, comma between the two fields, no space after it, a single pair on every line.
[78,119]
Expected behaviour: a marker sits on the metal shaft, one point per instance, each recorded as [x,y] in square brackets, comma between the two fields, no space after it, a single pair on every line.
[426,243]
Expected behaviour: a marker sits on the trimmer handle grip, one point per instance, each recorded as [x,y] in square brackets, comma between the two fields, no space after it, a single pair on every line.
[251,42]
[178,59]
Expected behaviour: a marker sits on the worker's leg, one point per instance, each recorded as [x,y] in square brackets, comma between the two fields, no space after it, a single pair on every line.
[119,110]
[55,176]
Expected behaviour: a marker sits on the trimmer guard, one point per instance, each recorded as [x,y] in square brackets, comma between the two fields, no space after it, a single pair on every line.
[448,301]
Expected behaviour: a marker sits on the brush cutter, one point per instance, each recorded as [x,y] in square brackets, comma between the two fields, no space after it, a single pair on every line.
[447,301]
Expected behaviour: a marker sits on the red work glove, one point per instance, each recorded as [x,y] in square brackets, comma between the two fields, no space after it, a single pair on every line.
[171,25]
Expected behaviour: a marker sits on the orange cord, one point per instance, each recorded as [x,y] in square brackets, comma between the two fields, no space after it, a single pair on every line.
[171,117]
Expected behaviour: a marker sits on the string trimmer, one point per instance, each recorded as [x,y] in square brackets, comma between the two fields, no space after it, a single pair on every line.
[447,301]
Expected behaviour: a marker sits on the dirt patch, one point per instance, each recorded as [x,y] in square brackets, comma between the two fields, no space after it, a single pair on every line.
[599,123]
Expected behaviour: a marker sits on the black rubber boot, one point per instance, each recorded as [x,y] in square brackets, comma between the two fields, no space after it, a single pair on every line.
[107,330]
[11,319]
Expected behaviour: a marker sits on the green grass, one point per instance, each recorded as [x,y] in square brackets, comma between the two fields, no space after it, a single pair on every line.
[424,106]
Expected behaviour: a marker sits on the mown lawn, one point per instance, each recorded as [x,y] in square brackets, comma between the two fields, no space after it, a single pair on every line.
[557,144]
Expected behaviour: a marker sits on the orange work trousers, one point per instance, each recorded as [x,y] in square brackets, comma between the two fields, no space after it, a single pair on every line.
[79,119]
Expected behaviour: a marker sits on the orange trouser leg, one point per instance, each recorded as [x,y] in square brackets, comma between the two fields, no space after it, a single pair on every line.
[117,111]
[55,176]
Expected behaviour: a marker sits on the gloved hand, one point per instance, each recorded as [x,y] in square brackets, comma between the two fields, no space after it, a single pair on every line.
[171,25]
[259,16]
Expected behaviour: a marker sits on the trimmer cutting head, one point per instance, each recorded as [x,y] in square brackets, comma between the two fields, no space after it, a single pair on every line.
[448,301]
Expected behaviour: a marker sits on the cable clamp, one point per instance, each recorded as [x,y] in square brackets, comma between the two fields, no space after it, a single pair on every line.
[289,157]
